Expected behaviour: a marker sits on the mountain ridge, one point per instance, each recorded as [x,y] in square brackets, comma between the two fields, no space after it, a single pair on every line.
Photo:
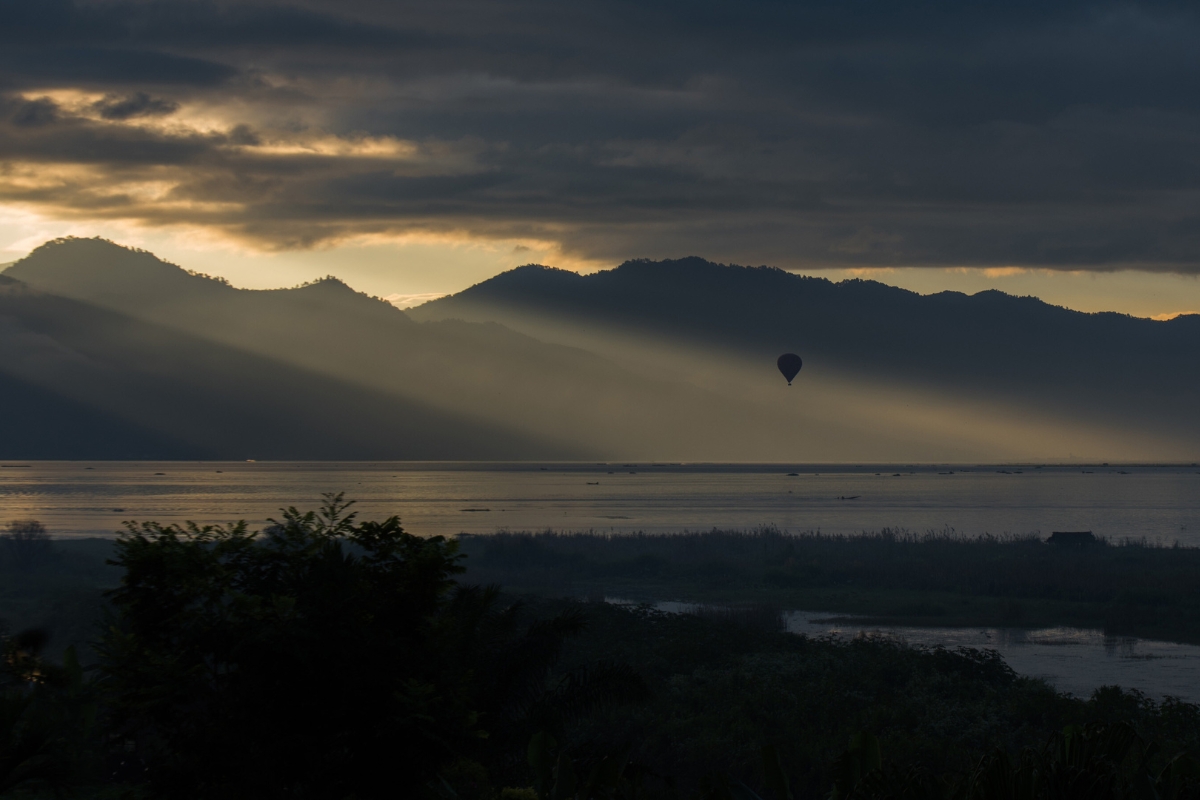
[99,271]
[562,401]
[653,360]
[638,286]
[169,394]
[533,276]
[1110,368]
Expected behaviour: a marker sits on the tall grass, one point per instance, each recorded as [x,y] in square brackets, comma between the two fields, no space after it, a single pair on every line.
[1127,579]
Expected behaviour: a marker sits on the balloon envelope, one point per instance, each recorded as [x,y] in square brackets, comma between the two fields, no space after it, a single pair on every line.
[789,364]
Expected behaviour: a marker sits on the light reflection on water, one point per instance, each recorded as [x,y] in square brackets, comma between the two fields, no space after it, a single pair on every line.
[1073,660]
[1161,504]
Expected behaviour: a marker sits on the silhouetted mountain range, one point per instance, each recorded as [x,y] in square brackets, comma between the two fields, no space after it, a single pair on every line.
[175,364]
[107,352]
[82,381]
[1108,368]
[990,336]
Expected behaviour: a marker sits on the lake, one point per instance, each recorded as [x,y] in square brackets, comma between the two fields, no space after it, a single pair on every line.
[1158,503]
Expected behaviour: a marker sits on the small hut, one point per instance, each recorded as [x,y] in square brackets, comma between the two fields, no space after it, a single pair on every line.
[1072,538]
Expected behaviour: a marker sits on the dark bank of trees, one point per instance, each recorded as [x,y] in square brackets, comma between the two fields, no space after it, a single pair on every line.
[328,657]
[938,578]
[322,658]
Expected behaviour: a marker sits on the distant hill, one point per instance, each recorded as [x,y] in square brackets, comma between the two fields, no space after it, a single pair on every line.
[139,358]
[107,352]
[79,381]
[1119,377]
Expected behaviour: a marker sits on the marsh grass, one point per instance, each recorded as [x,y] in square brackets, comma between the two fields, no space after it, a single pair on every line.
[722,688]
[56,586]
[1129,586]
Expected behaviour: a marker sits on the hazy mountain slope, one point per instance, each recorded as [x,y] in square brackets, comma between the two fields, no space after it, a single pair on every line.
[85,382]
[1020,357]
[37,423]
[988,334]
[567,400]
[665,361]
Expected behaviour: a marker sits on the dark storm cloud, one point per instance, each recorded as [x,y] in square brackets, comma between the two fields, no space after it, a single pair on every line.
[30,113]
[138,104]
[23,67]
[804,134]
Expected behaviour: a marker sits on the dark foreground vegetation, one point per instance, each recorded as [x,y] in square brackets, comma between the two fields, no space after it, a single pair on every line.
[325,657]
[54,585]
[1128,588]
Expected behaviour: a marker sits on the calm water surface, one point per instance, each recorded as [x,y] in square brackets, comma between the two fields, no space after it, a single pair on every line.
[1159,503]
[1073,660]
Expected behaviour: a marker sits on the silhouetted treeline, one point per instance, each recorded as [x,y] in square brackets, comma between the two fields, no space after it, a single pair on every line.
[328,657]
[721,691]
[939,577]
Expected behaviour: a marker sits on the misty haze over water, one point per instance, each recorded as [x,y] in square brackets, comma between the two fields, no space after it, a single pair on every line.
[1157,503]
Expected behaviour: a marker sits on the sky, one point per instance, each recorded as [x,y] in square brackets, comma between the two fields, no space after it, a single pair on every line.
[415,148]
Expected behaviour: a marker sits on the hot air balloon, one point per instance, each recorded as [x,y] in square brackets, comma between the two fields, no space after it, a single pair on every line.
[789,364]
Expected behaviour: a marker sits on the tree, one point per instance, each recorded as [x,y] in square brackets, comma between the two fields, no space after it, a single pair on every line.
[317,658]
[47,719]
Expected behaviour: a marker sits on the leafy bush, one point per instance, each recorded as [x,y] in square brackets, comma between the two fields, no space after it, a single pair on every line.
[315,660]
[327,658]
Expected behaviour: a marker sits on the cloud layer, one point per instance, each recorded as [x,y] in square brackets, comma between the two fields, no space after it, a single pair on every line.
[813,134]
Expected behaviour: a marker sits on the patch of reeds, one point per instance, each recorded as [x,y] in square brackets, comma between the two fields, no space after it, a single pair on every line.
[760,616]
[1129,571]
